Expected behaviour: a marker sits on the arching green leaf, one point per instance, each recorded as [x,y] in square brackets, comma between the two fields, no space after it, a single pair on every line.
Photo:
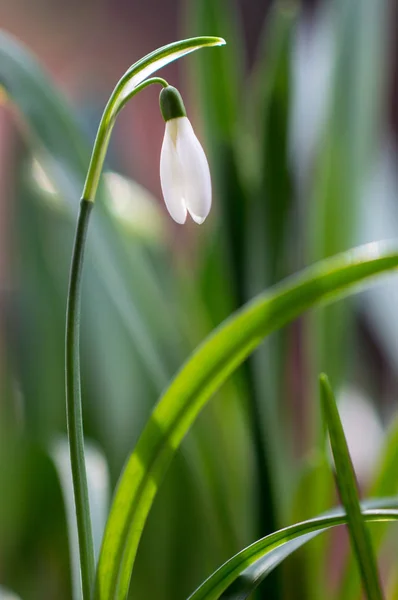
[240,575]
[202,375]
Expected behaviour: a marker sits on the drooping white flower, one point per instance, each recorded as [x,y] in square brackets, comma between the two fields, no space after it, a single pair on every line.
[184,170]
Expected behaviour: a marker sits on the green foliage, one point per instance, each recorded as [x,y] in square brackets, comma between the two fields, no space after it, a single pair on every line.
[288,188]
[240,576]
[210,365]
[347,485]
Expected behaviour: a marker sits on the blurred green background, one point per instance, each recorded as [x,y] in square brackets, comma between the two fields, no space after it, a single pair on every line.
[298,115]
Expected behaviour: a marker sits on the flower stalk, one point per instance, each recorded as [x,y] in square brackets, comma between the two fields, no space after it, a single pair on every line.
[134,80]
[74,405]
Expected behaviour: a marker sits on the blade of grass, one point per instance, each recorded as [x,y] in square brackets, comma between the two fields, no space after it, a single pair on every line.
[384,484]
[271,551]
[347,485]
[210,365]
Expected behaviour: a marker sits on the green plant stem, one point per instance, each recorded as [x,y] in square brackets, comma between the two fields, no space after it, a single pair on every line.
[74,405]
[112,109]
[72,350]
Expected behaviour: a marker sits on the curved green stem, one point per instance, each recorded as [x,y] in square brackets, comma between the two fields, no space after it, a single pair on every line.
[112,109]
[72,356]
[74,405]
[132,82]
[140,87]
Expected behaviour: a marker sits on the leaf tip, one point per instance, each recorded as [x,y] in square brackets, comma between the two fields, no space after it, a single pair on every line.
[324,380]
[213,41]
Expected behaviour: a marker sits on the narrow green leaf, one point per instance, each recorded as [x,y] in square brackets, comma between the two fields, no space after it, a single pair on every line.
[384,484]
[269,124]
[218,82]
[249,580]
[256,561]
[158,59]
[210,365]
[346,482]
[251,577]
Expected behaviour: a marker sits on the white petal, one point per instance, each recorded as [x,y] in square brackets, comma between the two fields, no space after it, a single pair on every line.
[195,171]
[171,175]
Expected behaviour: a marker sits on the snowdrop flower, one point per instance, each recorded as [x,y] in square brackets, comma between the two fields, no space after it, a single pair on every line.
[184,171]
